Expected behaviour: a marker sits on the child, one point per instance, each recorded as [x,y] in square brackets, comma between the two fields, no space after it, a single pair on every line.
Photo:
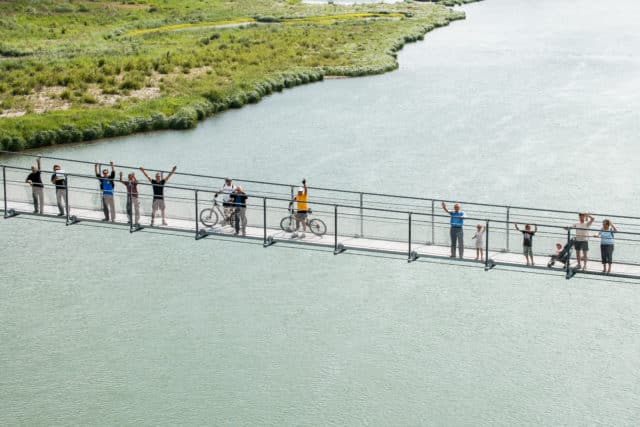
[479,236]
[527,242]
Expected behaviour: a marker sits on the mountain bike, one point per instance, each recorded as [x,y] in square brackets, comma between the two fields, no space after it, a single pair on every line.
[316,225]
[209,216]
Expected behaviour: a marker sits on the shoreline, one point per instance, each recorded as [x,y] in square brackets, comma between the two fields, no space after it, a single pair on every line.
[189,115]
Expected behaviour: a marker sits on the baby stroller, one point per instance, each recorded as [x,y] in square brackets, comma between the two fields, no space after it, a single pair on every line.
[562,256]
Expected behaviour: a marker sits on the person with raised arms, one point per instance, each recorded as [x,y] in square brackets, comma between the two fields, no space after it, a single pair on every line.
[456,222]
[133,204]
[107,186]
[158,193]
[582,238]
[37,188]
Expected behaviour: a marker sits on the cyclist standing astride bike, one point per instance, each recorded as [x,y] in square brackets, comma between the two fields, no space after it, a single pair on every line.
[302,209]
[227,204]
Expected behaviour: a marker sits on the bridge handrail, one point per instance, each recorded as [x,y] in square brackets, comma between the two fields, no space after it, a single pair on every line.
[337,190]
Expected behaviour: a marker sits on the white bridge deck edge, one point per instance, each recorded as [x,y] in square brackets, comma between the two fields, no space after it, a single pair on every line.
[512,259]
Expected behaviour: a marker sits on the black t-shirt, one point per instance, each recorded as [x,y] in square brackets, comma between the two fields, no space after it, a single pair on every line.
[158,188]
[527,238]
[239,200]
[35,178]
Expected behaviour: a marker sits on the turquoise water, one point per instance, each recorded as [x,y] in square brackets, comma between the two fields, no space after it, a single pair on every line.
[522,103]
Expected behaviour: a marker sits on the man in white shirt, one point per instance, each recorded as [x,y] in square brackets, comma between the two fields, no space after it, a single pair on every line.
[227,205]
[582,238]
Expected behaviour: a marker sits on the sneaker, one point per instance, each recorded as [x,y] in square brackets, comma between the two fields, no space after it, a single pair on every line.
[302,235]
[294,235]
[60,214]
[35,212]
[164,222]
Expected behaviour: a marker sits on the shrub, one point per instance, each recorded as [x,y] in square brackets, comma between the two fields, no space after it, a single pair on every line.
[91,133]
[69,133]
[14,143]
[159,121]
[185,118]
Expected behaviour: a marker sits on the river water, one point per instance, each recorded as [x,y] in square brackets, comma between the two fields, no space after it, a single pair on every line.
[530,103]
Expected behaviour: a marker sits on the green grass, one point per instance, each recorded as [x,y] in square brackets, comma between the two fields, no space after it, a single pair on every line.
[83,70]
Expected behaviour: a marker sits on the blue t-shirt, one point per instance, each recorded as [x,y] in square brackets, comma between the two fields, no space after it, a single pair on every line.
[457,218]
[107,186]
[606,236]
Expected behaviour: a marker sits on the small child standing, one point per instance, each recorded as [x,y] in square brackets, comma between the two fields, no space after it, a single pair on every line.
[527,241]
[479,237]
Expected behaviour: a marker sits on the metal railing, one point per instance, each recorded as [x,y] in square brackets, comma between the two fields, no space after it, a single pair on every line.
[417,230]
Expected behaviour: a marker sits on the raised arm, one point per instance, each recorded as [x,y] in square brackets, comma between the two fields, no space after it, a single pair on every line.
[171,173]
[613,227]
[444,206]
[535,228]
[38,164]
[591,218]
[304,184]
[113,169]
[515,224]
[121,180]
[144,172]
[96,168]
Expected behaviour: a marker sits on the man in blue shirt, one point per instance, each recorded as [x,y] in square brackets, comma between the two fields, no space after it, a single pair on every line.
[106,186]
[457,221]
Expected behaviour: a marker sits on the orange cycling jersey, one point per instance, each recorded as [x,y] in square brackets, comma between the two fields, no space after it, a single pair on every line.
[301,199]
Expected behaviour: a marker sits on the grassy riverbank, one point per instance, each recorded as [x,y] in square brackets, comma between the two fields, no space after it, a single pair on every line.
[81,70]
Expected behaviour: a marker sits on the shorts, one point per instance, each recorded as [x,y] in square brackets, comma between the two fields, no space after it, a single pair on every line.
[479,244]
[527,251]
[300,215]
[581,245]
[158,204]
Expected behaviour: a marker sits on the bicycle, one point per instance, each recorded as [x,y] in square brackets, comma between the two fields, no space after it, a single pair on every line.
[316,225]
[209,216]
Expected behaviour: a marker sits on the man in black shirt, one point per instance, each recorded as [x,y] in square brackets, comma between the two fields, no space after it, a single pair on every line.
[239,201]
[58,178]
[158,192]
[37,188]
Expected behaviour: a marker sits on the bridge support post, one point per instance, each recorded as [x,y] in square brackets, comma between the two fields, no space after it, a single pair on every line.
[361,215]
[337,248]
[266,241]
[433,222]
[508,225]
[411,255]
[8,213]
[200,234]
[488,262]
[70,219]
[569,271]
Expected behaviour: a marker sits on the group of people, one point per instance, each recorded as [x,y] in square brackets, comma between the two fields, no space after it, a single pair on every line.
[234,202]
[234,198]
[580,242]
[58,179]
[107,190]
[234,205]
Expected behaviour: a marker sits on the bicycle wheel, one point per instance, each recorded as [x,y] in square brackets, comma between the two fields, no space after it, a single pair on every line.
[317,226]
[288,224]
[208,217]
